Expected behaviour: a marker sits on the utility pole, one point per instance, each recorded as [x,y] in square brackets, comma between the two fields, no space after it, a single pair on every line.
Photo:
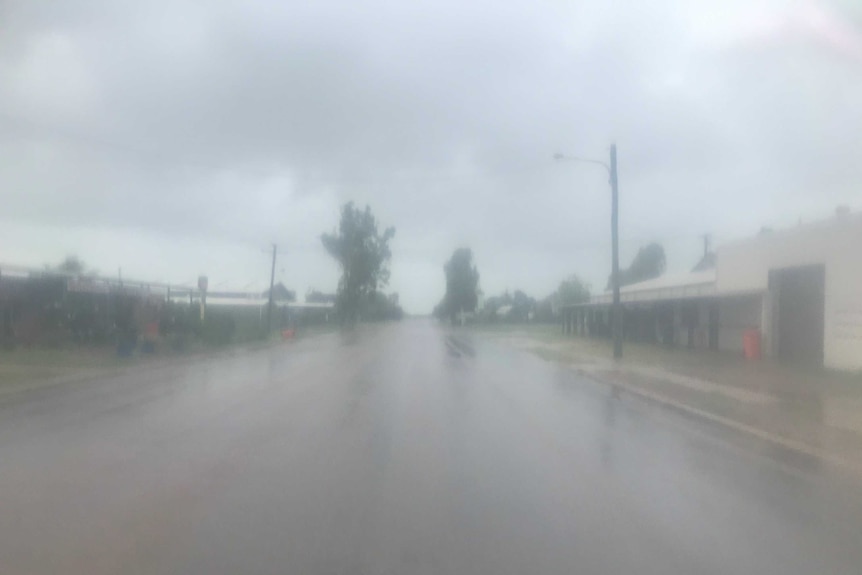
[271,284]
[706,241]
[615,240]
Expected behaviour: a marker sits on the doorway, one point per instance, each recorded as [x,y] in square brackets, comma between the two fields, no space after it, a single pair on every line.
[800,295]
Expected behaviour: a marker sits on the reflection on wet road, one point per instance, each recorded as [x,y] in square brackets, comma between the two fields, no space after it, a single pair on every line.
[398,449]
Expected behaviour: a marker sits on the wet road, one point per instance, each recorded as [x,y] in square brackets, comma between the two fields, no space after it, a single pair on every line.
[398,450]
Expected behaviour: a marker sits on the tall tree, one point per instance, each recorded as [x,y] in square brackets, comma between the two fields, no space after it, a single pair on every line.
[363,254]
[462,283]
[649,263]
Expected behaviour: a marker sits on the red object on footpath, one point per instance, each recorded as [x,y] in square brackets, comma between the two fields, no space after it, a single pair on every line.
[751,343]
[287,333]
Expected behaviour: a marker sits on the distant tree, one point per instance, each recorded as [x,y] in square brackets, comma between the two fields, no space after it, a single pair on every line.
[72,265]
[462,283]
[440,311]
[314,296]
[649,263]
[495,302]
[380,307]
[281,293]
[572,290]
[522,306]
[363,254]
[545,309]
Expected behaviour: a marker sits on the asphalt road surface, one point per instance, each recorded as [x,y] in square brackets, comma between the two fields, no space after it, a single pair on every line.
[398,449]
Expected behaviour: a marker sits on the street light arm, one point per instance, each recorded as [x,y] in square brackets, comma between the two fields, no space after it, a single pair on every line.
[560,157]
[617,318]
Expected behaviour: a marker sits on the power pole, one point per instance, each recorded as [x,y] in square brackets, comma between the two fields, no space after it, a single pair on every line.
[617,319]
[271,283]
[706,241]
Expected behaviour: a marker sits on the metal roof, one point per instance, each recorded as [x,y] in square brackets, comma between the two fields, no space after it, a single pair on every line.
[667,287]
[672,281]
[260,302]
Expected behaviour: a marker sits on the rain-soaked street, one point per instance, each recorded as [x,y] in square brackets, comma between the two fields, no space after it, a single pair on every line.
[398,449]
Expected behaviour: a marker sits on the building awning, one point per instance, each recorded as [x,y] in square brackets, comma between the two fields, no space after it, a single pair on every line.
[692,285]
[261,302]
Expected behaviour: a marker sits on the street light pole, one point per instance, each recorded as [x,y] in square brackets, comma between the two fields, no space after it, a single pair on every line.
[271,285]
[616,309]
[615,270]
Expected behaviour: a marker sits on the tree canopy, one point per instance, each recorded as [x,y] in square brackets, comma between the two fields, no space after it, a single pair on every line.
[649,263]
[572,290]
[522,306]
[316,296]
[72,265]
[281,293]
[363,254]
[462,284]
[382,306]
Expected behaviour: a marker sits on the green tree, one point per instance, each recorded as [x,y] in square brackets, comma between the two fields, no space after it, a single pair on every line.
[72,265]
[572,290]
[281,293]
[545,309]
[493,304]
[462,283]
[315,296]
[522,306]
[649,263]
[439,310]
[363,254]
[381,307]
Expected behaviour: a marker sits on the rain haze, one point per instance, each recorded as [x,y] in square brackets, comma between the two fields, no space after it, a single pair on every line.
[450,288]
[172,139]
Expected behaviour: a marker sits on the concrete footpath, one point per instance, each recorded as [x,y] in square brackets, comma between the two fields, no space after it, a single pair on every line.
[813,412]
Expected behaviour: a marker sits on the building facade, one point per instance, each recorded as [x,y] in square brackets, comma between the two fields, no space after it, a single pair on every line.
[810,278]
[799,289]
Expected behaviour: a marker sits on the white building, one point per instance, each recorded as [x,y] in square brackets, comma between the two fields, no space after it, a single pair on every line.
[801,288]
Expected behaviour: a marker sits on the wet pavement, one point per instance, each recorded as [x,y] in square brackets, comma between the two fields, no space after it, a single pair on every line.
[813,411]
[398,449]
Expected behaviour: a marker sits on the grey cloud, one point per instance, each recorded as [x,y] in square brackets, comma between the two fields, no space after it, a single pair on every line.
[249,121]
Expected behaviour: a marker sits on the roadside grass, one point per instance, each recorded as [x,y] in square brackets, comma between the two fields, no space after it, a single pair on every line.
[70,356]
[25,365]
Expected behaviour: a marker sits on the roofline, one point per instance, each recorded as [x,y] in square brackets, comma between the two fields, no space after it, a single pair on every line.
[652,300]
[768,232]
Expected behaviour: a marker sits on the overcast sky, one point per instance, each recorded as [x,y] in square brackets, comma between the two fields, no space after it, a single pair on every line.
[174,138]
